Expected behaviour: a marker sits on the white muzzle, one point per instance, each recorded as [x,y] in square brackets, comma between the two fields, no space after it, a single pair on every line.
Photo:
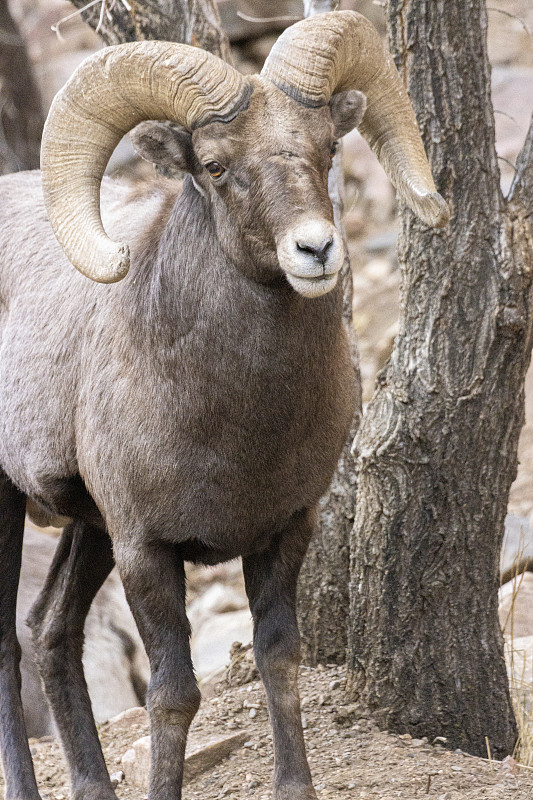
[311,254]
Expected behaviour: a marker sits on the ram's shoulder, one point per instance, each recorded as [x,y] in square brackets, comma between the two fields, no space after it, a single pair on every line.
[130,209]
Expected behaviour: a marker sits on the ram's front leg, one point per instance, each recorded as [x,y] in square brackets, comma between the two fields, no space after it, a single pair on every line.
[154,581]
[271,587]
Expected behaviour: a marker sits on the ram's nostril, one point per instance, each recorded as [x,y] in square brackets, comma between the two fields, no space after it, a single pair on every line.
[320,251]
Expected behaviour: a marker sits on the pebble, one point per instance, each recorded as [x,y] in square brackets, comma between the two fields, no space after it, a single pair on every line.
[253,713]
[116,778]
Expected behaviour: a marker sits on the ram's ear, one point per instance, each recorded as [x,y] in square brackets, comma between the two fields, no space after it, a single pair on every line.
[347,111]
[165,144]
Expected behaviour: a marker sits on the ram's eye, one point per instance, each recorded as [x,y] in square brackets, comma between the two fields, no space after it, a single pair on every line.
[333,150]
[215,169]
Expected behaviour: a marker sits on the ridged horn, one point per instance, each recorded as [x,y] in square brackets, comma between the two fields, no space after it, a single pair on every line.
[111,92]
[341,50]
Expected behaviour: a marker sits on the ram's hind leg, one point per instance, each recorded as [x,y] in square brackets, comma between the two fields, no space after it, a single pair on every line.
[271,579]
[16,758]
[82,562]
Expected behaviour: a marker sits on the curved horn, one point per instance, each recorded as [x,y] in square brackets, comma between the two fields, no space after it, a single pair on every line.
[341,50]
[111,92]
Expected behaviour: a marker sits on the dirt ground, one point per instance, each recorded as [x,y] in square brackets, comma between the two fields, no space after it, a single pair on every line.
[349,757]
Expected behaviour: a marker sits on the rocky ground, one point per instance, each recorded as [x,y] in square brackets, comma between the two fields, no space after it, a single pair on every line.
[350,758]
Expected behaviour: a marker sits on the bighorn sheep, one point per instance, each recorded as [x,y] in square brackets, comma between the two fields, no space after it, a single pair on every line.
[196,410]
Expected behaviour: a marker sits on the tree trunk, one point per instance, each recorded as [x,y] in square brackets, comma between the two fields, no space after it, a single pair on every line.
[21,119]
[195,22]
[436,452]
[323,589]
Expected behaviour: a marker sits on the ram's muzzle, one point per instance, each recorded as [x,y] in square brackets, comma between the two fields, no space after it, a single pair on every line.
[311,255]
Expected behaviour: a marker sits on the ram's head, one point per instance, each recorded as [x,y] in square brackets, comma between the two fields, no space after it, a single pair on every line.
[258,148]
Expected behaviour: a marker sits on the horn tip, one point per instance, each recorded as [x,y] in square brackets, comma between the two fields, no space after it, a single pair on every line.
[113,266]
[433,210]
[118,264]
[442,216]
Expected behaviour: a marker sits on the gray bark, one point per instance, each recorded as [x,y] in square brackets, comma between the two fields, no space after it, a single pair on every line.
[195,22]
[323,593]
[437,447]
[21,117]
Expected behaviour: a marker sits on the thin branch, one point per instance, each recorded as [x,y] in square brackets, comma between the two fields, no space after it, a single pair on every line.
[101,20]
[55,28]
[509,163]
[114,19]
[521,191]
[285,18]
[505,114]
[512,16]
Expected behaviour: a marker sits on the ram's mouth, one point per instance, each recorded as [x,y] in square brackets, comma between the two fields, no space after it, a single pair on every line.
[313,285]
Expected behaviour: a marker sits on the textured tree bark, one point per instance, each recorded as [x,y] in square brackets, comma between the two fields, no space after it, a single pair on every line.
[195,22]
[21,118]
[436,451]
[323,590]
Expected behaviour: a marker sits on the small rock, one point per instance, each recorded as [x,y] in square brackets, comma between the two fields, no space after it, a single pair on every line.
[253,713]
[242,668]
[347,715]
[128,718]
[336,684]
[200,757]
[509,766]
[116,778]
[304,721]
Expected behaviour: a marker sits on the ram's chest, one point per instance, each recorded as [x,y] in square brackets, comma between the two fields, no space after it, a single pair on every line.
[239,435]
